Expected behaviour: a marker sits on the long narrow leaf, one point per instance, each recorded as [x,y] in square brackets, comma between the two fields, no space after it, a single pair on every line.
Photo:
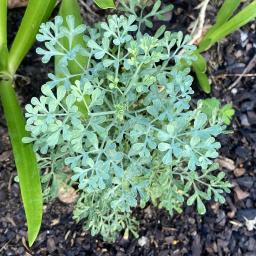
[25,160]
[224,14]
[199,67]
[239,20]
[226,11]
[105,4]
[37,11]
[3,34]
[71,7]
[3,22]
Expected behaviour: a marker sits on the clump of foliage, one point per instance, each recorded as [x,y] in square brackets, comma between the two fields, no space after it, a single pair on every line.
[125,128]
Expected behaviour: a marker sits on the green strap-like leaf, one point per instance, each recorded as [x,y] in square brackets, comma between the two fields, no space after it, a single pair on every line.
[3,22]
[226,11]
[25,160]
[239,20]
[105,4]
[37,11]
[199,67]
[3,34]
[222,28]
[71,7]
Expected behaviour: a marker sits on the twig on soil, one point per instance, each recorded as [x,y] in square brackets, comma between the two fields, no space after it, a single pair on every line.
[23,240]
[87,7]
[248,68]
[4,246]
[10,183]
[232,75]
[197,30]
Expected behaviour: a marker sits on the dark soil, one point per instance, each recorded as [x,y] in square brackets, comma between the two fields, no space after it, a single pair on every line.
[222,231]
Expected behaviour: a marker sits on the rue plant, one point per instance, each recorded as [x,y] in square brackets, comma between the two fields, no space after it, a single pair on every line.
[122,130]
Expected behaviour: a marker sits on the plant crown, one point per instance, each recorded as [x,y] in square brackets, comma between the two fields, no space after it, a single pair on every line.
[123,129]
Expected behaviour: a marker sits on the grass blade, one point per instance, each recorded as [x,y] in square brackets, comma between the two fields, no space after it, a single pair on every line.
[37,11]
[3,22]
[226,11]
[3,34]
[25,160]
[105,4]
[239,20]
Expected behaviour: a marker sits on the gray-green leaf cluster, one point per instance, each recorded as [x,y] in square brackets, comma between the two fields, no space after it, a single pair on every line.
[124,133]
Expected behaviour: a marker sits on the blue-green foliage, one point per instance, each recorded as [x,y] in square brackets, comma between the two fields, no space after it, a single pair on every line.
[135,138]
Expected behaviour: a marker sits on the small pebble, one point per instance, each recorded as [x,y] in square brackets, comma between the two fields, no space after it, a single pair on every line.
[143,241]
[234,91]
[245,182]
[244,120]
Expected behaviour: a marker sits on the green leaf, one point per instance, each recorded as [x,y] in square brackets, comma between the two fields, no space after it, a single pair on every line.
[226,11]
[239,20]
[210,106]
[226,113]
[3,34]
[199,67]
[37,11]
[191,199]
[105,4]
[3,22]
[71,7]
[200,206]
[164,146]
[25,160]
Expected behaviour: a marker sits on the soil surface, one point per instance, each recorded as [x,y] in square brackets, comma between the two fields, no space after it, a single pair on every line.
[224,230]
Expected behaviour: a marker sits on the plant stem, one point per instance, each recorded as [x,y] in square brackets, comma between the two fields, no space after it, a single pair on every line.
[102,113]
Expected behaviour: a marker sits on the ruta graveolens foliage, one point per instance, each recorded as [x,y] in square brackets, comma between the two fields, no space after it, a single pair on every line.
[124,132]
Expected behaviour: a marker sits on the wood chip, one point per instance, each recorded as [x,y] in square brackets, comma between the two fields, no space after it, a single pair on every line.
[238,172]
[67,235]
[17,3]
[226,163]
[55,222]
[67,194]
[236,223]
[5,156]
[24,242]
[215,207]
[240,194]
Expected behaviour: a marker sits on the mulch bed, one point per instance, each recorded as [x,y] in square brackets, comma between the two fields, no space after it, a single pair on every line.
[224,230]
